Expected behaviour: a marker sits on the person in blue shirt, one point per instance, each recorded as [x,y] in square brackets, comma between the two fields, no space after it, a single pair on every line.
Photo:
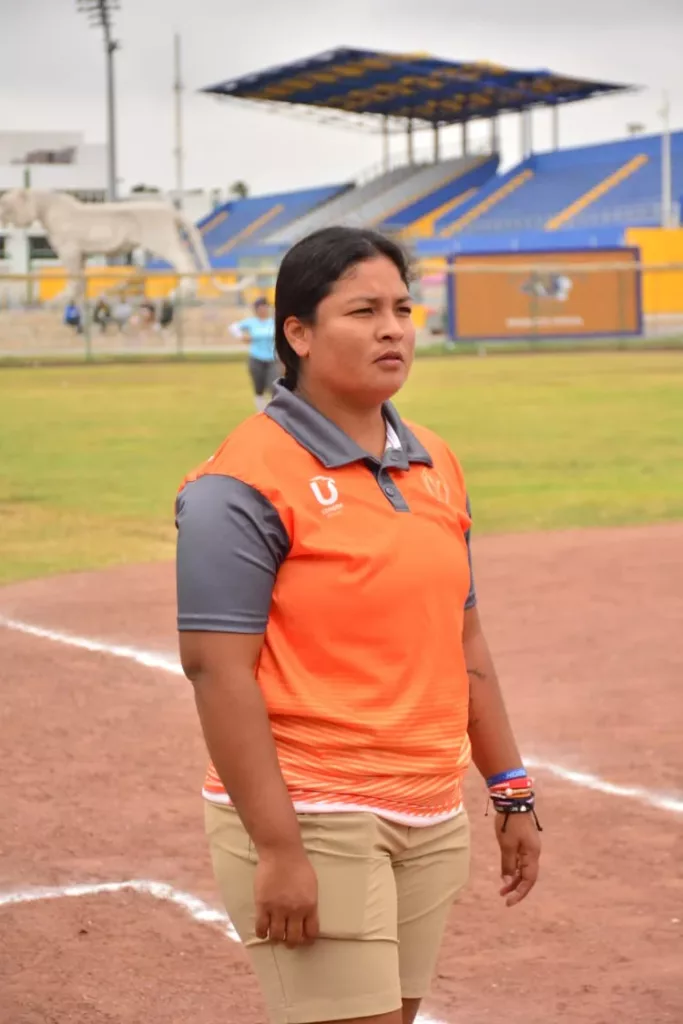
[72,317]
[258,332]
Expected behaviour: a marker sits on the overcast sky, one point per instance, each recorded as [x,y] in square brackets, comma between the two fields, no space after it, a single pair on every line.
[52,74]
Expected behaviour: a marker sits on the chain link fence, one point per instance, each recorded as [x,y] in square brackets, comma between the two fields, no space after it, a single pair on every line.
[476,299]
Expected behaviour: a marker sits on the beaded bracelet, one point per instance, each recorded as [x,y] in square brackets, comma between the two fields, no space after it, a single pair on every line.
[513,795]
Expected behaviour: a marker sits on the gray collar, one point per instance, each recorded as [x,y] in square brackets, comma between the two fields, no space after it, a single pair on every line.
[329,444]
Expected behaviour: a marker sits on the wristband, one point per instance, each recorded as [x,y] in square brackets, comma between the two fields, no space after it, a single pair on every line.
[514,773]
[508,807]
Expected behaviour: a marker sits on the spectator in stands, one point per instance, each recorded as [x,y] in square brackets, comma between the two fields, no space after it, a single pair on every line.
[144,319]
[102,314]
[122,313]
[258,332]
[328,621]
[148,316]
[166,313]
[72,317]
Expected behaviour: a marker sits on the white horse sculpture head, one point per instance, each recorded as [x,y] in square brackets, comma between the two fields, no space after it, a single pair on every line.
[19,208]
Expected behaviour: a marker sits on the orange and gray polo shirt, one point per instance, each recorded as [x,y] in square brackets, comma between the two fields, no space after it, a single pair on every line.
[357,571]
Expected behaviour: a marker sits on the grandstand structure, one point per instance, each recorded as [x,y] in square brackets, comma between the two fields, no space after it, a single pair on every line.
[450,205]
[610,198]
[588,196]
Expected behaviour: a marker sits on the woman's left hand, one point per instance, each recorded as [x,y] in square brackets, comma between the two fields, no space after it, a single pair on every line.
[520,850]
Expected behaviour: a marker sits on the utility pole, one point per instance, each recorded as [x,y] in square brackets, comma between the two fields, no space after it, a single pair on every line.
[178,151]
[99,13]
[26,244]
[666,218]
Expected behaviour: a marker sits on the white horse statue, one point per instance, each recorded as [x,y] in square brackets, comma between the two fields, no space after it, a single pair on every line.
[76,230]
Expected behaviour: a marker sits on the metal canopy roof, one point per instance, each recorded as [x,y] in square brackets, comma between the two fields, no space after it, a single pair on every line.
[402,85]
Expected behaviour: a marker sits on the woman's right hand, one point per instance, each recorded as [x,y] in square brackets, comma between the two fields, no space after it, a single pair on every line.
[286,897]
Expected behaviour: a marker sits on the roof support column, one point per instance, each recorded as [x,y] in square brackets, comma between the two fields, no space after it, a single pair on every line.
[411,142]
[556,126]
[437,142]
[386,154]
[525,136]
[494,125]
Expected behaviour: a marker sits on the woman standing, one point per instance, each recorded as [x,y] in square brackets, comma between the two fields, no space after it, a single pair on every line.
[258,332]
[328,621]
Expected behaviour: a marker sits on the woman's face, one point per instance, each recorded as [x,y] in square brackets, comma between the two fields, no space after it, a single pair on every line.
[362,342]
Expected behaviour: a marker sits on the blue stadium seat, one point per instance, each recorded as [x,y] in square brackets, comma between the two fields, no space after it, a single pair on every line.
[615,184]
[246,221]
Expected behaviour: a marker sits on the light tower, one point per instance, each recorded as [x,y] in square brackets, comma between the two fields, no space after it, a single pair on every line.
[99,14]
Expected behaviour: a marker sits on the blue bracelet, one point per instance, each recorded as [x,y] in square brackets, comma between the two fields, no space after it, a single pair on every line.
[514,773]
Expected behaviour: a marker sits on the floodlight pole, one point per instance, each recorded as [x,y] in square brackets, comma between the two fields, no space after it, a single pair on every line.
[100,12]
[666,164]
[110,46]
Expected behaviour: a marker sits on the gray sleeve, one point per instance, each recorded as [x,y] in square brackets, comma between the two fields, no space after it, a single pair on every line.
[231,543]
[472,595]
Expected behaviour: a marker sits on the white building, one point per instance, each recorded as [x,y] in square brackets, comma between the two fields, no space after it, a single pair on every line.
[64,162]
[61,161]
[54,160]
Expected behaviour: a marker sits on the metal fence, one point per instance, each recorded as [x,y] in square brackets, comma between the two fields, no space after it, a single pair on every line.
[506,297]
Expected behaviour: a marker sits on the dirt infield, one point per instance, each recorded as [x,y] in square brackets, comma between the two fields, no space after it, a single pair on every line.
[104,762]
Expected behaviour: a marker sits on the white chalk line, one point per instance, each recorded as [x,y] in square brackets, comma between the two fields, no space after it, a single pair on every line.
[660,801]
[147,658]
[192,905]
[671,803]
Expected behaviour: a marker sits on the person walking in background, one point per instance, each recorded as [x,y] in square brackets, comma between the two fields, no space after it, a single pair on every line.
[328,621]
[258,332]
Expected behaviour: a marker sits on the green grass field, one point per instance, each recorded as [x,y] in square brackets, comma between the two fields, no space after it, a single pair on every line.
[91,457]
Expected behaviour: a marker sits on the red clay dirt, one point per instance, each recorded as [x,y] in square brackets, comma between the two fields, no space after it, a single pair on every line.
[104,762]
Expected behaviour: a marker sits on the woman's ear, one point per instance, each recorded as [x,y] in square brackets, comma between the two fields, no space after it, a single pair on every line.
[297,334]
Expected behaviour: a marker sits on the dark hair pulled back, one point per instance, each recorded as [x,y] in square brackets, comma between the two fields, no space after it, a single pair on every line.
[309,271]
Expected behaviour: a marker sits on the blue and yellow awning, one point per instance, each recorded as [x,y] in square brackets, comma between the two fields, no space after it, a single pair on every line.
[403,85]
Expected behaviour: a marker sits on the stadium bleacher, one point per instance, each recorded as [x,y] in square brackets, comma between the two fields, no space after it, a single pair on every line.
[396,199]
[613,184]
[459,180]
[250,220]
[339,208]
[583,197]
[392,208]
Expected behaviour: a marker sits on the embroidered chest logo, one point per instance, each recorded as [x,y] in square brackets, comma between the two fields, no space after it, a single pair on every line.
[435,486]
[326,494]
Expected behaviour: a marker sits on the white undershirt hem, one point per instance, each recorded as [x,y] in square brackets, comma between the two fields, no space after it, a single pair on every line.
[301,807]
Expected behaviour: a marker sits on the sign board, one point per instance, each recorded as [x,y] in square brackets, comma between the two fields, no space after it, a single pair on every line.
[575,293]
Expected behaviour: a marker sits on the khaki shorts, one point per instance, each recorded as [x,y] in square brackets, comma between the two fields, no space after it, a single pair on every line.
[384,893]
